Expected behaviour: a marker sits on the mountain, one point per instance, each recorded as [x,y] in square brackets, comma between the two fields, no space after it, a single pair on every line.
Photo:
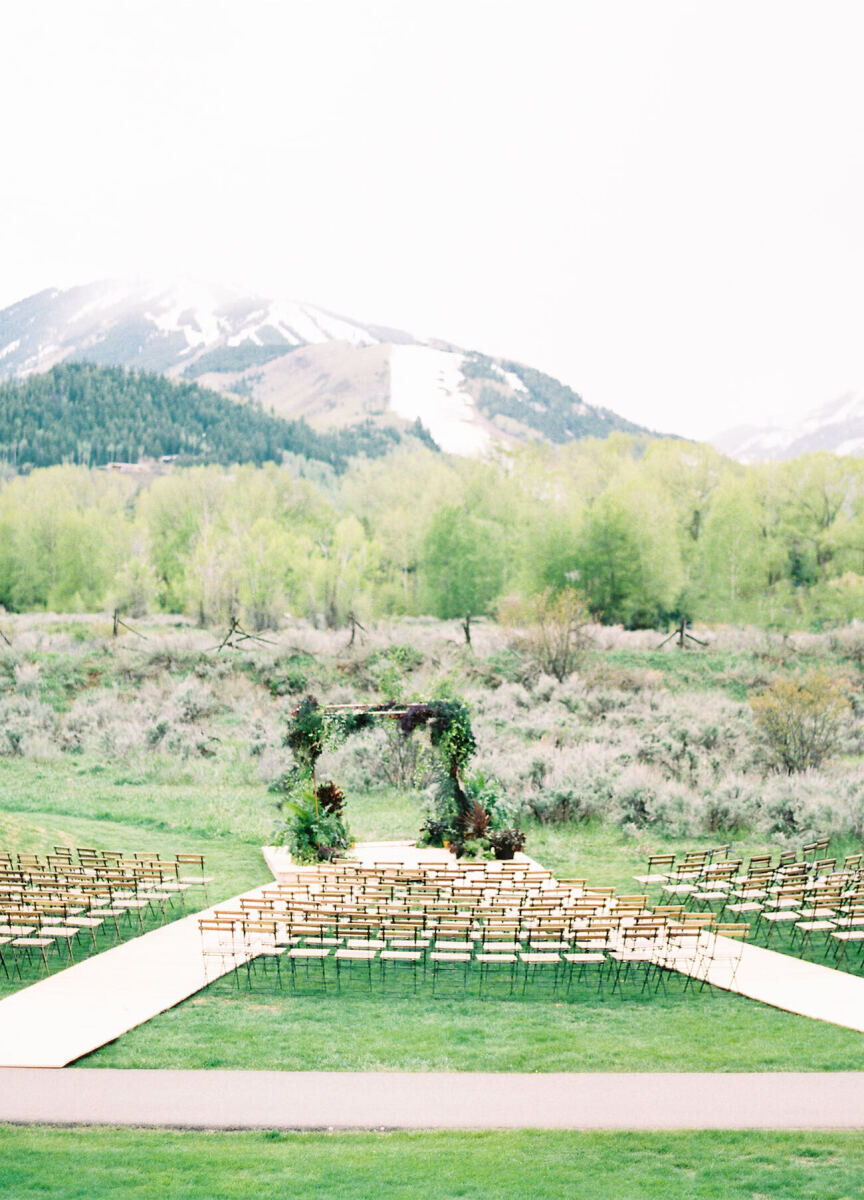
[298,361]
[99,416]
[837,426]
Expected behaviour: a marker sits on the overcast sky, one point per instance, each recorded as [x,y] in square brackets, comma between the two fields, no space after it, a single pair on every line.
[661,203]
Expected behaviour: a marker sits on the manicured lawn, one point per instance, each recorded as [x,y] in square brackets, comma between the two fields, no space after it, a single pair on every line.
[696,1031]
[134,1164]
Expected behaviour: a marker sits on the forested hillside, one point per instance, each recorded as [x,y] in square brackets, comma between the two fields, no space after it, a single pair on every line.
[532,401]
[648,531]
[91,415]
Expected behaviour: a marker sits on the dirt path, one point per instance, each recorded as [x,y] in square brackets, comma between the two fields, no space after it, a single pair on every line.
[340,1100]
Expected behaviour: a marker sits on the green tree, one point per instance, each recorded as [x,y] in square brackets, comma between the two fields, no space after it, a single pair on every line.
[463,566]
[630,565]
[734,565]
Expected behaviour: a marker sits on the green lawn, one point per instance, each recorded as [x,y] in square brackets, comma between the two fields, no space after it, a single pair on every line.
[264,1029]
[135,1164]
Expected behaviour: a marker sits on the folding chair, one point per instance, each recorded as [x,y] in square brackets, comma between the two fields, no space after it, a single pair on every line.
[452,962]
[220,940]
[349,960]
[494,965]
[308,955]
[637,947]
[260,942]
[725,946]
[539,961]
[659,869]
[399,961]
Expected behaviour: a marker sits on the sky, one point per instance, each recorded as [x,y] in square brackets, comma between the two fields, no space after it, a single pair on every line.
[660,203]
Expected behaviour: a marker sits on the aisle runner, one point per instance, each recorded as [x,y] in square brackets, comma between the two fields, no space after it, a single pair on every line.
[792,984]
[55,1021]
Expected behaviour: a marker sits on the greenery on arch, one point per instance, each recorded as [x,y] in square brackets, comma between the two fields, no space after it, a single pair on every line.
[468,818]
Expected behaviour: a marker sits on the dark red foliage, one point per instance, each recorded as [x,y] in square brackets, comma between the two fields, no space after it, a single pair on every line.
[331,799]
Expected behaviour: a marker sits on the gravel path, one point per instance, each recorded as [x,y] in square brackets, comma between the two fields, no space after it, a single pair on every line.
[342,1100]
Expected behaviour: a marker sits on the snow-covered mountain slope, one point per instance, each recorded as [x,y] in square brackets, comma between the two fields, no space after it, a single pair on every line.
[298,360]
[837,426]
[428,384]
[157,327]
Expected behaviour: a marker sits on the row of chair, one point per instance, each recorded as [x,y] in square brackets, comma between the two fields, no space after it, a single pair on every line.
[651,948]
[807,905]
[51,904]
[665,868]
[475,922]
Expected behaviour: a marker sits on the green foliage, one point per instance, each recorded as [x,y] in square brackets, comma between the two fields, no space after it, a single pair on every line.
[306,735]
[449,728]
[801,720]
[630,579]
[312,728]
[235,358]
[470,817]
[645,531]
[463,566]
[92,415]
[286,676]
[312,832]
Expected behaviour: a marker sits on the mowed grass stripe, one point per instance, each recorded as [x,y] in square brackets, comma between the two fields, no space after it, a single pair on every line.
[269,1030]
[89,1164]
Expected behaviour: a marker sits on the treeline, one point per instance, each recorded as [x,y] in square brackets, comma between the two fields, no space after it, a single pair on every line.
[91,415]
[649,530]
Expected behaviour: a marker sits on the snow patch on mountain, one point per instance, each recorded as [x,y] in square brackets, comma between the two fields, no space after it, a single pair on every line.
[157,325]
[428,384]
[512,380]
[330,370]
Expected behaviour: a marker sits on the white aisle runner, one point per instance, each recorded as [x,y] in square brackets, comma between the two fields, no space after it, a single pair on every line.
[79,1009]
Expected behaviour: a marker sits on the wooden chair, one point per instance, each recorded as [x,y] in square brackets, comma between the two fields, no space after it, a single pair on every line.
[348,960]
[308,955]
[724,946]
[449,962]
[221,939]
[540,962]
[398,960]
[493,963]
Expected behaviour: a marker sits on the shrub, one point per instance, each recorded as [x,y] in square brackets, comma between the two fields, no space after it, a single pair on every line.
[849,644]
[553,630]
[508,665]
[801,721]
[310,833]
[794,807]
[732,804]
[23,720]
[194,700]
[485,792]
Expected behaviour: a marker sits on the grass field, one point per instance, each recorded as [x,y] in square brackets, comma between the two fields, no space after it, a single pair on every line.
[691,1032]
[127,1164]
